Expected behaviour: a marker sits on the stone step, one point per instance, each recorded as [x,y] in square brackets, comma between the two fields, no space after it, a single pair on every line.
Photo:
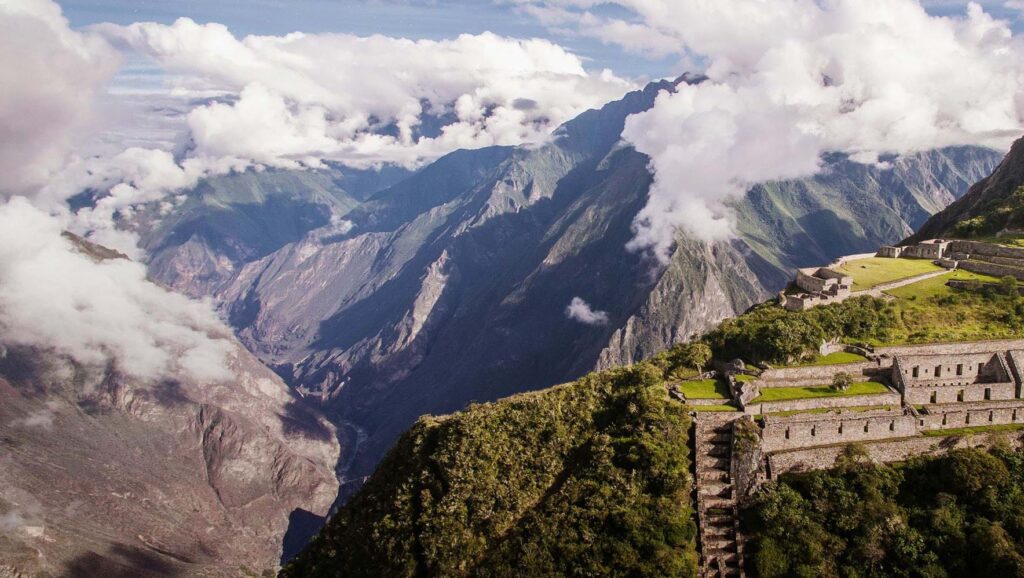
[713,475]
[720,503]
[725,530]
[719,451]
[715,463]
[718,490]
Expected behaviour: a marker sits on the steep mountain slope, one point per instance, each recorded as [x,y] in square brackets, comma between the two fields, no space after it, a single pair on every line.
[103,474]
[584,479]
[992,204]
[228,221]
[451,286]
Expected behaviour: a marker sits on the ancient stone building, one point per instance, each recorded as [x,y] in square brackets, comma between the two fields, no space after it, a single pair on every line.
[816,286]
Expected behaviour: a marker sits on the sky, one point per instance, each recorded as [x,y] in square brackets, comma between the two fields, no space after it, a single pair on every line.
[138,101]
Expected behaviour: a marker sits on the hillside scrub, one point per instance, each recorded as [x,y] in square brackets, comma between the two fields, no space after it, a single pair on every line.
[961,515]
[585,479]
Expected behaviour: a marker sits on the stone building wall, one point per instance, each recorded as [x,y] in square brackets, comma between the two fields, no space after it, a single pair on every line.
[886,451]
[809,430]
[938,417]
[922,395]
[1018,263]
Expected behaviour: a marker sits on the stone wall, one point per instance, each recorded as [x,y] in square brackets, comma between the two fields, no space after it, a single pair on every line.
[922,395]
[978,248]
[953,369]
[886,451]
[820,374]
[806,430]
[992,269]
[892,398]
[937,417]
[993,346]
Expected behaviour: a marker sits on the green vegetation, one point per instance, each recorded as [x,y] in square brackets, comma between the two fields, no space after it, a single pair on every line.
[585,479]
[711,408]
[961,515]
[928,311]
[874,271]
[769,333]
[685,360]
[993,216]
[786,393]
[836,358]
[742,377]
[966,431]
[705,389]
[855,408]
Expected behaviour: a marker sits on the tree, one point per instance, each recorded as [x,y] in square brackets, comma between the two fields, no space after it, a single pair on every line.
[700,355]
[1008,286]
[842,381]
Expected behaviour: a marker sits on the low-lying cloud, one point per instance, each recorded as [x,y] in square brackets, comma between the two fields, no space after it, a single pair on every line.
[56,298]
[580,310]
[792,79]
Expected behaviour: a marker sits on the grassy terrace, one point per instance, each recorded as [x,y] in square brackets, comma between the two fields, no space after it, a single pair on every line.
[854,408]
[705,389]
[964,431]
[711,408]
[836,358]
[787,393]
[931,311]
[874,271]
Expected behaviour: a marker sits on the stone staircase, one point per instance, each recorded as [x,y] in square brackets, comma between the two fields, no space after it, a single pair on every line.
[717,514]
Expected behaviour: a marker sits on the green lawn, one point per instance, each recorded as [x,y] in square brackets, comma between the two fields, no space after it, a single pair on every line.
[742,377]
[857,408]
[929,311]
[705,389]
[835,359]
[936,286]
[872,271]
[786,393]
[965,431]
[711,408]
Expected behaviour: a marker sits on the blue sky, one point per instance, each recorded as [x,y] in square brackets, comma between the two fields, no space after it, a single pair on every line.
[433,19]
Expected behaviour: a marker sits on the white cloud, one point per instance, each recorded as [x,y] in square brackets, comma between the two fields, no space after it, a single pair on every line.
[41,418]
[54,297]
[792,79]
[49,77]
[580,310]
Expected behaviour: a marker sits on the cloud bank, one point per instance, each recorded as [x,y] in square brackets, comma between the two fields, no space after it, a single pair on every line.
[580,310]
[789,80]
[56,298]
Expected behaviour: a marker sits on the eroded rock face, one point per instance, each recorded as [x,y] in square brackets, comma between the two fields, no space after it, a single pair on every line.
[102,475]
[451,286]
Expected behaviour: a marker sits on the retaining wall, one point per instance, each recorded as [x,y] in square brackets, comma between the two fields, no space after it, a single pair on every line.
[891,398]
[978,248]
[826,429]
[992,346]
[886,451]
[992,269]
[970,415]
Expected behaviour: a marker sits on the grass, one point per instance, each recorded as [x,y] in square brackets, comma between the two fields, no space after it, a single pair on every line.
[929,311]
[705,389]
[936,286]
[836,358]
[711,408]
[786,393]
[743,378]
[874,271]
[966,431]
[857,408]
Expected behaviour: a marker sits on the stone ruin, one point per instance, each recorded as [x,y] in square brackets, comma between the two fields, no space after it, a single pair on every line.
[816,286]
[975,256]
[928,389]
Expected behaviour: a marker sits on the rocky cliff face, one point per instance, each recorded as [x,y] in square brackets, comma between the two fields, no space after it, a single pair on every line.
[988,206]
[102,474]
[227,221]
[451,286]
